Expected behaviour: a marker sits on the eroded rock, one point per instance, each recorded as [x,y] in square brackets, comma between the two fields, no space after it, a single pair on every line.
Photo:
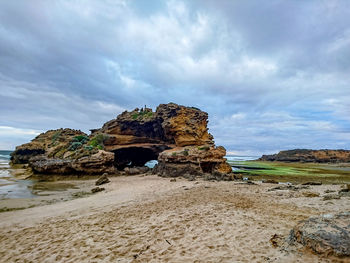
[175,135]
[99,162]
[327,234]
[194,160]
[102,180]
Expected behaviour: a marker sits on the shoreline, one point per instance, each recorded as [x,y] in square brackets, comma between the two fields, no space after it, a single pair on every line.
[149,218]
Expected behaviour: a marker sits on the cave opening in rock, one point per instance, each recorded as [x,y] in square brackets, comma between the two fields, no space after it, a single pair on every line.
[207,167]
[135,156]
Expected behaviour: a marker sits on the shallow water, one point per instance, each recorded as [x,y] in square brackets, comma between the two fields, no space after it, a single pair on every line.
[14,182]
[10,186]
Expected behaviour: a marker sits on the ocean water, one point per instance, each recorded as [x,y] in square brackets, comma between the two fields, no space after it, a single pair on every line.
[238,158]
[10,186]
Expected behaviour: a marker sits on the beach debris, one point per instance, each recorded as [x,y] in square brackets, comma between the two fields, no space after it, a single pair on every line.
[102,180]
[97,189]
[312,183]
[328,234]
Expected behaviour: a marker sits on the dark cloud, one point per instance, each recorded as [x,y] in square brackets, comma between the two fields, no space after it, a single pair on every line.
[271,75]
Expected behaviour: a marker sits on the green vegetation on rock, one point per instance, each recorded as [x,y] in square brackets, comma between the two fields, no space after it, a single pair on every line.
[98,141]
[81,138]
[141,115]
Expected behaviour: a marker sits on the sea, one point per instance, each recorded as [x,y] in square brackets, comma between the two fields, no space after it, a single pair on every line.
[13,186]
[10,185]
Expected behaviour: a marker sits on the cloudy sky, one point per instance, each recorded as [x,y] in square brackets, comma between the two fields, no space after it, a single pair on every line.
[272,74]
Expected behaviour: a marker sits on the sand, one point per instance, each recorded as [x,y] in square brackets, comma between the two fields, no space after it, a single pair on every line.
[150,219]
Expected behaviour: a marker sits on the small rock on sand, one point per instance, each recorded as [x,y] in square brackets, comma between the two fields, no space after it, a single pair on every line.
[102,180]
[97,189]
[310,194]
[330,197]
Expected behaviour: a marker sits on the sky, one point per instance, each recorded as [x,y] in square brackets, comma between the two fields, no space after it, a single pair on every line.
[272,75]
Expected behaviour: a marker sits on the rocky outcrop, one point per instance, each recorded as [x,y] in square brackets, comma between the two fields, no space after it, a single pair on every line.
[175,135]
[193,160]
[64,151]
[304,155]
[97,163]
[328,234]
[141,135]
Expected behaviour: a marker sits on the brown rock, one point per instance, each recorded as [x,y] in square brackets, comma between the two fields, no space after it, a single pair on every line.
[305,155]
[51,143]
[310,194]
[102,180]
[193,160]
[97,163]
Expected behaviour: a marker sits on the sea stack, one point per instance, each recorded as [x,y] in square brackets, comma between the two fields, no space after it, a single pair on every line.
[175,135]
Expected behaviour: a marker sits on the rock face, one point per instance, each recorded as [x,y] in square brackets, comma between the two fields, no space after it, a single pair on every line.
[192,160]
[328,234]
[140,135]
[175,135]
[304,155]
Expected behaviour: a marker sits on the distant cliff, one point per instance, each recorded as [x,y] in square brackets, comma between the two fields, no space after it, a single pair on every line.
[307,156]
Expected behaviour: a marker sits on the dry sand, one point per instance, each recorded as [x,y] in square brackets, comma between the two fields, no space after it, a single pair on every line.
[150,219]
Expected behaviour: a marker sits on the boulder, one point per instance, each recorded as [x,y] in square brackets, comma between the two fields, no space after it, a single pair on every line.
[193,160]
[96,163]
[327,234]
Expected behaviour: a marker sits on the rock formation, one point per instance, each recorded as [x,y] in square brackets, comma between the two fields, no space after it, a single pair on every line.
[304,155]
[175,135]
[328,234]
[192,160]
[64,151]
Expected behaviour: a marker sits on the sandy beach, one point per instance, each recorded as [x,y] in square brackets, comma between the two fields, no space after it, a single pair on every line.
[150,219]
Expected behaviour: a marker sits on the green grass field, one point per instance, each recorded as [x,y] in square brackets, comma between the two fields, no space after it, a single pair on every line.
[293,172]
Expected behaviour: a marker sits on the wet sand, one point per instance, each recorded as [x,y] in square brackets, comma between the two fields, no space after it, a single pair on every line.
[150,219]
